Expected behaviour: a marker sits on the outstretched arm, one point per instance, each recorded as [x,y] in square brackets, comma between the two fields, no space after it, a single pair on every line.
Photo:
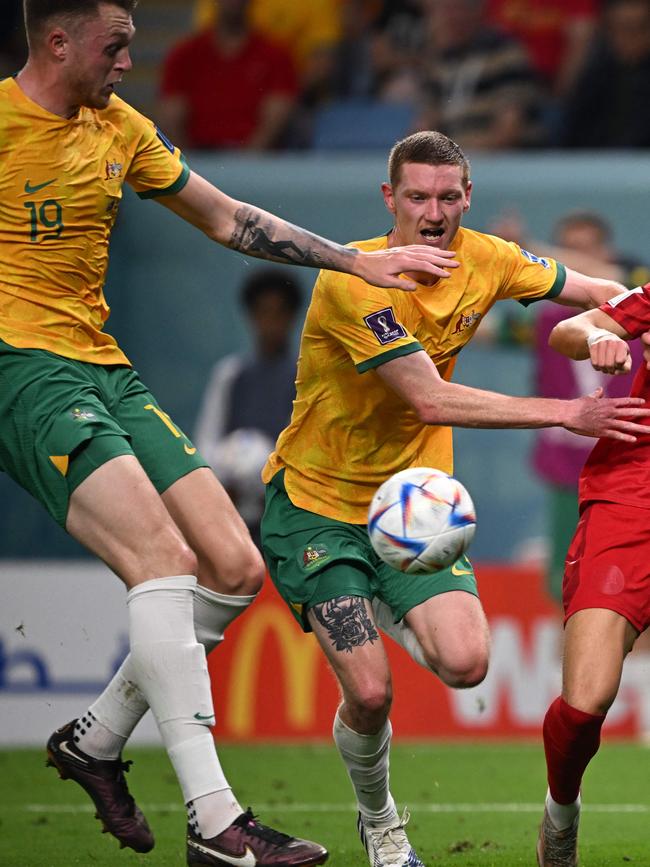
[258,233]
[587,292]
[596,336]
[415,378]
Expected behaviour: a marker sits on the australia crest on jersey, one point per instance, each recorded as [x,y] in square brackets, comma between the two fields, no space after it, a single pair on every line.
[466,320]
[314,555]
[384,326]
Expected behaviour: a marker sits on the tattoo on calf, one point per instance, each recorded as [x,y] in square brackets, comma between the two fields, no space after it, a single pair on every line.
[347,622]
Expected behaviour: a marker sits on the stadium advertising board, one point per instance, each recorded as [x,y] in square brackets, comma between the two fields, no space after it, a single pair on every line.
[63,632]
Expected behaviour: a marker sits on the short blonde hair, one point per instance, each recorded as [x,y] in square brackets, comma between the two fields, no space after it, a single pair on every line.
[429,147]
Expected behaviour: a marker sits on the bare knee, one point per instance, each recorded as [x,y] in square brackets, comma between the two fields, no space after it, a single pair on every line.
[592,701]
[162,554]
[368,705]
[173,555]
[596,644]
[240,575]
[462,670]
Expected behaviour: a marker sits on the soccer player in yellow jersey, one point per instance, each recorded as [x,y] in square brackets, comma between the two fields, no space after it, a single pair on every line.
[82,433]
[374,397]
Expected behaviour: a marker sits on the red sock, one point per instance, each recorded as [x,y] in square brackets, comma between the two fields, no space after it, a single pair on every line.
[571,740]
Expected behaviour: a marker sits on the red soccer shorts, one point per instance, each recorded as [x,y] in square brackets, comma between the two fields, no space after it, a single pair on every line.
[608,563]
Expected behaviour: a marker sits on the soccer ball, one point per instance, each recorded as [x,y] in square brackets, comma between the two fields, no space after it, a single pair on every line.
[421,520]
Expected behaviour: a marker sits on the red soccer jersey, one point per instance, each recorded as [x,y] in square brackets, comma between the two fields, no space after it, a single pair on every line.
[616,471]
[542,25]
[225,95]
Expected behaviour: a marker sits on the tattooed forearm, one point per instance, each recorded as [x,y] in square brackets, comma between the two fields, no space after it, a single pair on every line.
[266,237]
[347,622]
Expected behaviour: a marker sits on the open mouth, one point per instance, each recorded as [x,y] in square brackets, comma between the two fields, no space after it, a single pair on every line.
[432,234]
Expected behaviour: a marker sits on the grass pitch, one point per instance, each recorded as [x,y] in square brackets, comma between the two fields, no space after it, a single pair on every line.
[471,805]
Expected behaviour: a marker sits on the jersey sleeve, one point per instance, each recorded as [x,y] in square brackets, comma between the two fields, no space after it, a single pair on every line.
[366,321]
[631,310]
[157,167]
[526,277]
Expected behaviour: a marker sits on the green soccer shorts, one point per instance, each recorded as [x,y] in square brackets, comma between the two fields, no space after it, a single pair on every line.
[312,559]
[60,419]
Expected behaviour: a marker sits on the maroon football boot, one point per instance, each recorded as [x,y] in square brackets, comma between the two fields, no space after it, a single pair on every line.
[248,843]
[104,781]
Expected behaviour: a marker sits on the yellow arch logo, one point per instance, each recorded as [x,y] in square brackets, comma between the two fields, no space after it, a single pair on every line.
[300,653]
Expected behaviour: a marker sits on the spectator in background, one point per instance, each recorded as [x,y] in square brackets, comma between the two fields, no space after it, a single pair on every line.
[581,240]
[556,33]
[606,108]
[480,87]
[397,41]
[248,399]
[228,86]
[310,31]
[364,64]
[305,28]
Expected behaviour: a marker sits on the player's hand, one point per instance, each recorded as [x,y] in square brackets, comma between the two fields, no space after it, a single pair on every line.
[609,353]
[645,340]
[614,417]
[389,267]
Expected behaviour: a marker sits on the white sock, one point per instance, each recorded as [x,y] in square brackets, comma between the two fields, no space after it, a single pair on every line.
[95,739]
[400,632]
[213,612]
[562,815]
[366,760]
[121,706]
[170,668]
[210,815]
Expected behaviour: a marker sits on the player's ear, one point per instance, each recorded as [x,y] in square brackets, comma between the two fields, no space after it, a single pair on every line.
[389,200]
[468,197]
[57,42]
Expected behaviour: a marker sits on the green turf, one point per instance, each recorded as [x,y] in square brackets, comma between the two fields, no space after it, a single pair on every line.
[47,823]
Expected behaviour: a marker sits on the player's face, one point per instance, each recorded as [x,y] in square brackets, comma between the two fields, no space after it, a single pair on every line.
[428,204]
[98,55]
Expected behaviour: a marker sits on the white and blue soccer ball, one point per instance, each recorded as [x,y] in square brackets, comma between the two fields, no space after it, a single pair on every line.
[421,520]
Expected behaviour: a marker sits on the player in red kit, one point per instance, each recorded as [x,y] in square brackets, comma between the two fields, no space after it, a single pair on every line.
[606,591]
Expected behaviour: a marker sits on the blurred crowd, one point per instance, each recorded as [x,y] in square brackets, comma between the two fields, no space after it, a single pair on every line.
[492,74]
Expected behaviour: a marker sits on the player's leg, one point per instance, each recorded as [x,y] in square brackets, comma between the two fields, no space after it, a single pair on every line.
[145,548]
[231,571]
[596,643]
[51,412]
[167,664]
[345,631]
[453,632]
[438,619]
[606,606]
[164,455]
[362,732]
[229,568]
[320,567]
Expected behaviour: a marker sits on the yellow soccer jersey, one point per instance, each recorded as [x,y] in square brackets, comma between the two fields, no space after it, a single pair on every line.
[60,186]
[349,432]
